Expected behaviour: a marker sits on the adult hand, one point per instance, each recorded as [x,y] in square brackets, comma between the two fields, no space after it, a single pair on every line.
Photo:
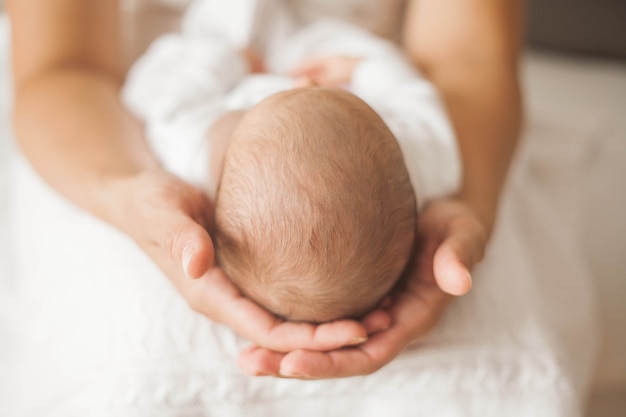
[451,241]
[168,219]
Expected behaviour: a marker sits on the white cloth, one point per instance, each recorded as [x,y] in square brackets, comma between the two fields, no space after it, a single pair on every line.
[186,81]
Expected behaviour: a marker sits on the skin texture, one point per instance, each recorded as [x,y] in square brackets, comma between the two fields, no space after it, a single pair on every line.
[73,129]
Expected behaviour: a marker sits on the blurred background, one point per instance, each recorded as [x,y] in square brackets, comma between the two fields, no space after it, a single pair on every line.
[575,83]
[587,42]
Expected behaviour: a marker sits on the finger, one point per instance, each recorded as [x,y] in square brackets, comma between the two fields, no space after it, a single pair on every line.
[376,321]
[256,361]
[203,213]
[288,336]
[190,245]
[362,360]
[267,330]
[452,263]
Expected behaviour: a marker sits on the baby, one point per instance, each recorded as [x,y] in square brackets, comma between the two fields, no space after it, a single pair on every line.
[315,214]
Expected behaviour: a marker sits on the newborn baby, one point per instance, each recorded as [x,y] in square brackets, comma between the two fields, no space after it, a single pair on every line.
[315,216]
[315,190]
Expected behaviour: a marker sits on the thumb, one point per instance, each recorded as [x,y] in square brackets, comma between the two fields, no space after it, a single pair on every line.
[454,259]
[190,245]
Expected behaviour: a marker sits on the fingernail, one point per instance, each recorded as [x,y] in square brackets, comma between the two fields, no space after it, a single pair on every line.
[188,253]
[357,340]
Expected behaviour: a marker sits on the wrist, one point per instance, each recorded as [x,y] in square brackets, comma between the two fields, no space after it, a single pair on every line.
[483,207]
[118,197]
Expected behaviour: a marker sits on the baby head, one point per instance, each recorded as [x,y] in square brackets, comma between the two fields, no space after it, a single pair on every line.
[315,215]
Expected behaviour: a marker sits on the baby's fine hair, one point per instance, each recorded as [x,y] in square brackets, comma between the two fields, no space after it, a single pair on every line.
[315,214]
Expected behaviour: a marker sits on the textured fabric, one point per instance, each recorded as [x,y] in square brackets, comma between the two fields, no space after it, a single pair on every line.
[186,81]
[102,333]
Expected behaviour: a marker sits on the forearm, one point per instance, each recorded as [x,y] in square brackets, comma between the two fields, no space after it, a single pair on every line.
[485,109]
[470,51]
[73,129]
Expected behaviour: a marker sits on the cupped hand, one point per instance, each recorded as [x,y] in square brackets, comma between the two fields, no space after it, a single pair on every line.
[451,241]
[168,218]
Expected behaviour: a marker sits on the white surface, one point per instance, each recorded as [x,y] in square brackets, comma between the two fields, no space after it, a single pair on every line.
[582,98]
[573,111]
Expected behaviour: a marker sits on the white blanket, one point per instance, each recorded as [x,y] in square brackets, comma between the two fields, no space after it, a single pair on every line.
[98,331]
[186,81]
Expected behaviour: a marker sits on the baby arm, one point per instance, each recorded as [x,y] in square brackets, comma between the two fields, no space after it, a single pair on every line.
[178,90]
[327,71]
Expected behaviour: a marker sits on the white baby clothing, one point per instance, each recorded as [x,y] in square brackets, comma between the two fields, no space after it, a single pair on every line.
[186,81]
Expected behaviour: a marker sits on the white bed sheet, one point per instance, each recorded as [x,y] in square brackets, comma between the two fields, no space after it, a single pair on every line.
[574,106]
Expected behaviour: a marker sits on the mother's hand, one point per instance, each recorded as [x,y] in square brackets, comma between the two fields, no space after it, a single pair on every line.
[451,241]
[168,219]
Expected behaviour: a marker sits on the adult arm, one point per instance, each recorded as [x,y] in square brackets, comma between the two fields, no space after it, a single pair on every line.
[70,124]
[469,49]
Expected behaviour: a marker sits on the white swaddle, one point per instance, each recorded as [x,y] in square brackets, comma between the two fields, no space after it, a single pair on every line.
[186,81]
[103,333]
